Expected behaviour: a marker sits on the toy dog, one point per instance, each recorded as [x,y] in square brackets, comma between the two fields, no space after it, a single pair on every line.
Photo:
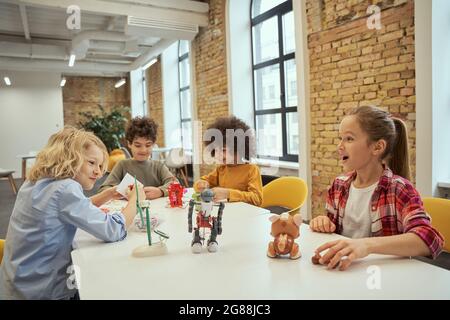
[285,229]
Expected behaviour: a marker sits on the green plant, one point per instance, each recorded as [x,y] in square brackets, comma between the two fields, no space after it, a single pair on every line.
[108,126]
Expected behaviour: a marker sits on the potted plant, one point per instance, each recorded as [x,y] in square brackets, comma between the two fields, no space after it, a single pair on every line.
[110,128]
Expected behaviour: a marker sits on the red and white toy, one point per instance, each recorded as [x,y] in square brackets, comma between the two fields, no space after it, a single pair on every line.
[176,192]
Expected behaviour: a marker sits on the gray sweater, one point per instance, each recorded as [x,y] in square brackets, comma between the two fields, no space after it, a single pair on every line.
[151,173]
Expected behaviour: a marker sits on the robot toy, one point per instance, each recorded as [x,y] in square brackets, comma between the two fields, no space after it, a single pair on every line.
[204,221]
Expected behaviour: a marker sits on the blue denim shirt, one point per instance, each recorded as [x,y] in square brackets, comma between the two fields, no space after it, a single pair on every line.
[38,243]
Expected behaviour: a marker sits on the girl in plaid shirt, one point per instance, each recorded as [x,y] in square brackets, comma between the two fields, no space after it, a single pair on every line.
[374,203]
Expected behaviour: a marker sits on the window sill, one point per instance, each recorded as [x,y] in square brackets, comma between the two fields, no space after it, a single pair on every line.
[277,163]
[444,184]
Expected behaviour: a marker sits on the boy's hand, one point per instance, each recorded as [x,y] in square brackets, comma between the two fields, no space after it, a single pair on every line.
[342,252]
[153,193]
[322,224]
[221,193]
[202,185]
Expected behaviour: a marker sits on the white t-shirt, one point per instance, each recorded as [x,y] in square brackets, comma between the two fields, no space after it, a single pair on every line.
[357,220]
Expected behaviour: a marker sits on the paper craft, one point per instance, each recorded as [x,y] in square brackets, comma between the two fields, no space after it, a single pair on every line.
[127,181]
[155,221]
[113,206]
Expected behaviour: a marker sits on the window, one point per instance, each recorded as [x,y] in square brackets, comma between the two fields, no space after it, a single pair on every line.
[274,79]
[144,93]
[185,94]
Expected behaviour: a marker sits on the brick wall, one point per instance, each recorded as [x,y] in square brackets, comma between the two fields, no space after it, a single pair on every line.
[352,66]
[155,99]
[83,94]
[209,49]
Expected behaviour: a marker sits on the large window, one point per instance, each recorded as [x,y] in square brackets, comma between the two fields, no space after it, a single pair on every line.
[274,79]
[184,77]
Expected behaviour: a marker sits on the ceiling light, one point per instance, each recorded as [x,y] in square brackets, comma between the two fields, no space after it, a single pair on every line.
[71,60]
[119,83]
[7,81]
[63,82]
[147,65]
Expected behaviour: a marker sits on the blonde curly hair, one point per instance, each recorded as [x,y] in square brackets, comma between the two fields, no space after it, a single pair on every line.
[63,156]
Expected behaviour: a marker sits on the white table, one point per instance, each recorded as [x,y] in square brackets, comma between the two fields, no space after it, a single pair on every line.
[241,269]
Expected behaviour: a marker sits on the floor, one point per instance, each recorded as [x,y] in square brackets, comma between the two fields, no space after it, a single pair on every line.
[7,199]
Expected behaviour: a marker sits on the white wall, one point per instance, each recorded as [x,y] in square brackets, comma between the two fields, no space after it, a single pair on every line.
[432,27]
[441,91]
[239,60]
[31,109]
[302,63]
[424,101]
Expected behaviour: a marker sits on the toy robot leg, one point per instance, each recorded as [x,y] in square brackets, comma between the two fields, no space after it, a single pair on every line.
[196,245]
[212,242]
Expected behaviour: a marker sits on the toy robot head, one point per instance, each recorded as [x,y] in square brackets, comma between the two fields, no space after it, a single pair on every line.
[207,195]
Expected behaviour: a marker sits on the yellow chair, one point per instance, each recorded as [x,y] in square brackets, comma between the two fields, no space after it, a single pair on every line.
[2,244]
[114,157]
[439,211]
[287,192]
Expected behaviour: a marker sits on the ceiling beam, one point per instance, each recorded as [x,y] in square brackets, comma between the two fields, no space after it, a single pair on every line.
[105,7]
[17,57]
[23,15]
[81,67]
[187,5]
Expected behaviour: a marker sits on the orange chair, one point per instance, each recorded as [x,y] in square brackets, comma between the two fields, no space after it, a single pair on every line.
[287,192]
[2,245]
[439,211]
[114,157]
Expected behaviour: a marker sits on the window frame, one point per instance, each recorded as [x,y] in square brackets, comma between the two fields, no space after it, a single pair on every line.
[181,58]
[145,106]
[278,11]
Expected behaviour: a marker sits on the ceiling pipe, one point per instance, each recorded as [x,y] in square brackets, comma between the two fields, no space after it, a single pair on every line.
[34,51]
[152,53]
[81,42]
[23,16]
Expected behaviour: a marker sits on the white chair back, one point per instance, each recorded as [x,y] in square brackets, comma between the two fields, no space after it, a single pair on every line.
[176,158]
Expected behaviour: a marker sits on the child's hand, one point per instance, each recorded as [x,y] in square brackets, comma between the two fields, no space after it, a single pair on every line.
[114,194]
[132,193]
[221,193]
[153,193]
[202,185]
[342,252]
[322,224]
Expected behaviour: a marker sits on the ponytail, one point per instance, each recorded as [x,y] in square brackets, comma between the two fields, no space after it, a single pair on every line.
[399,157]
[379,124]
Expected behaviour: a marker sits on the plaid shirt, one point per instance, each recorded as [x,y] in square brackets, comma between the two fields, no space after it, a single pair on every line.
[395,206]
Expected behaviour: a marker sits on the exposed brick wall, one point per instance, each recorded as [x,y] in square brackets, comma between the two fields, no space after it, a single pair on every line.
[155,99]
[352,66]
[83,94]
[209,47]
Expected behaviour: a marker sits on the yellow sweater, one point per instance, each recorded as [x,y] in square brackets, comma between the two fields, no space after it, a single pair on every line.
[243,181]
